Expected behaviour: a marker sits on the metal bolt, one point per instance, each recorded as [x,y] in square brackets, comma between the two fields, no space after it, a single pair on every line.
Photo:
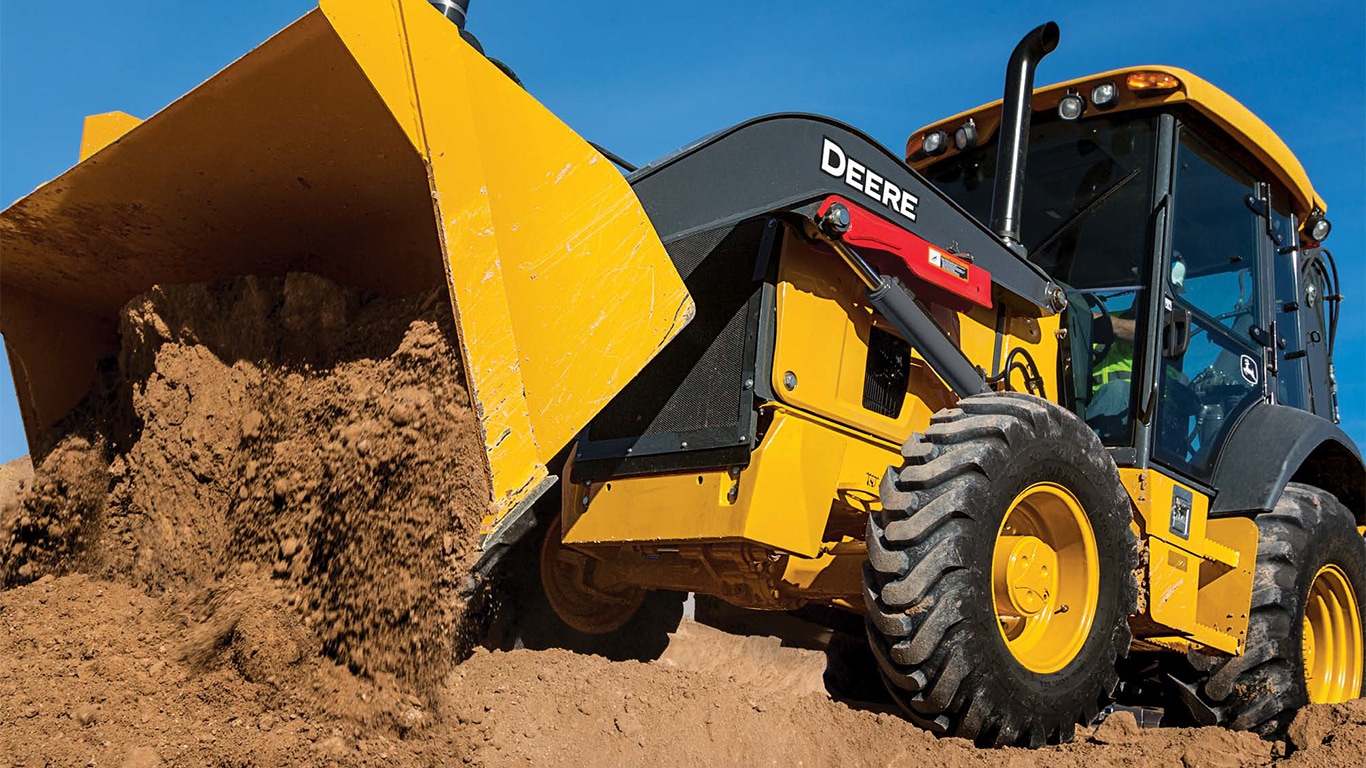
[790,381]
[836,220]
[1057,298]
[585,501]
[734,471]
[684,444]
[748,385]
[733,493]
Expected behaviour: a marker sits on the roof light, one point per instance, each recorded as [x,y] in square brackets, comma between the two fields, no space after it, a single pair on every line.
[1105,95]
[1071,106]
[934,143]
[1316,227]
[1152,83]
[966,136]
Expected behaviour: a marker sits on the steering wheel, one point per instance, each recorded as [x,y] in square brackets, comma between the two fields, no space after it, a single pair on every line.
[1099,349]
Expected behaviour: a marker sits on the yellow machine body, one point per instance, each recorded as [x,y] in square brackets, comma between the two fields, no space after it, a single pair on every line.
[368,143]
[787,529]
[1195,578]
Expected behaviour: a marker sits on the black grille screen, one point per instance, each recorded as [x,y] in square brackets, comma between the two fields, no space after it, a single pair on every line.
[694,389]
[887,373]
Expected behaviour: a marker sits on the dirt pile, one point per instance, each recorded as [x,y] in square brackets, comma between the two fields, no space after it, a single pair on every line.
[92,676]
[249,544]
[274,435]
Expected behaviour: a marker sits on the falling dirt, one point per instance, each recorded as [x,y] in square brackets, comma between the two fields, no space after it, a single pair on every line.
[250,546]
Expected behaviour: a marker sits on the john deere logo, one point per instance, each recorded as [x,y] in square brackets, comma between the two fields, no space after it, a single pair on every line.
[1249,370]
[868,182]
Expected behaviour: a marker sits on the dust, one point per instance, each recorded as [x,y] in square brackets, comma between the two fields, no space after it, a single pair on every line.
[283,437]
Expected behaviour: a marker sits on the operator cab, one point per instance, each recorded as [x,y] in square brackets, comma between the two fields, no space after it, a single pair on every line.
[1184,229]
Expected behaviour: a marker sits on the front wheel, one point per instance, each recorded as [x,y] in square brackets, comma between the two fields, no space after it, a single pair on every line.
[999,581]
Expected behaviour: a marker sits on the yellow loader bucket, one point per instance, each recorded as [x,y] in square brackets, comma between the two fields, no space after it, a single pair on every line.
[366,142]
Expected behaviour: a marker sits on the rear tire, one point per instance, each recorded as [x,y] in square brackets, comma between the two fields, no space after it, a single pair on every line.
[1308,543]
[933,621]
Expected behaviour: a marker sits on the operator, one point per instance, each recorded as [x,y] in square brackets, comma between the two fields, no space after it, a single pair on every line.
[1112,377]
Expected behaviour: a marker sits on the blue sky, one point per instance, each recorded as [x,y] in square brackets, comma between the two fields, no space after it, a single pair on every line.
[645,78]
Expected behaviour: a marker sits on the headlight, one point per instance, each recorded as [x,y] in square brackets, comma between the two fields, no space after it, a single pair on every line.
[934,143]
[1105,95]
[1316,227]
[966,136]
[1071,106]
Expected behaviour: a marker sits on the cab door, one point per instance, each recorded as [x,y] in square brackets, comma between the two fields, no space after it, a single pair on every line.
[1213,363]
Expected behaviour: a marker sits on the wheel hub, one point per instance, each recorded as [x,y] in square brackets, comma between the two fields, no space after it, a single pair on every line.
[1029,578]
[1045,577]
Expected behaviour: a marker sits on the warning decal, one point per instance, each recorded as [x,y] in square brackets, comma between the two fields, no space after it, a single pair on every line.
[949,264]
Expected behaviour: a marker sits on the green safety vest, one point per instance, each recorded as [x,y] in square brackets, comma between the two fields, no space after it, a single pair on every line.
[1117,365]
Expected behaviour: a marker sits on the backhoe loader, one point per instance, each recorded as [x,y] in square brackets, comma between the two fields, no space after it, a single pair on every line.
[1046,404]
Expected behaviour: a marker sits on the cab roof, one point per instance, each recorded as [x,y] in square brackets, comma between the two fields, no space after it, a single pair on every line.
[1236,120]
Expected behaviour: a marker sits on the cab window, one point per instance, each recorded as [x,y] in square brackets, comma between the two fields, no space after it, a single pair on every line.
[1212,284]
[1088,199]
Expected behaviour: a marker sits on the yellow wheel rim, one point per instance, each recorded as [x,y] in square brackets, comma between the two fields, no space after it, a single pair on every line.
[1045,581]
[1332,639]
[584,593]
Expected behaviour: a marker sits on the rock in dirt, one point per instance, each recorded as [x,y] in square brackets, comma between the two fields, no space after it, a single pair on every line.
[1118,728]
[1310,727]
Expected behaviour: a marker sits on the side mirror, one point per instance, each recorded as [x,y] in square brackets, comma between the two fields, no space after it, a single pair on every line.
[1176,332]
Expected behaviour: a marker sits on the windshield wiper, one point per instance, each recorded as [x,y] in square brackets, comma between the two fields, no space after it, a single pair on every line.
[1084,212]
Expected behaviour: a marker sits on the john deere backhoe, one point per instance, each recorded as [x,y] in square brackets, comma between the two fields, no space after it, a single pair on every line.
[1048,402]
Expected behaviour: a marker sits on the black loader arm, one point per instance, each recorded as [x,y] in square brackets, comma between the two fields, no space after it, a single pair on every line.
[790,162]
[1272,445]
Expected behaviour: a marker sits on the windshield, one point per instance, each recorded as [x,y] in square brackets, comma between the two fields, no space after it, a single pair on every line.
[1102,163]
[1085,221]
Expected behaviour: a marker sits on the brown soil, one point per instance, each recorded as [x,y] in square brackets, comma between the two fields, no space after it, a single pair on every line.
[250,544]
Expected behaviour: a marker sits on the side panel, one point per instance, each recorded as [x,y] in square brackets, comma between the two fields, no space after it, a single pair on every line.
[1199,570]
[822,345]
[781,501]
[824,331]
